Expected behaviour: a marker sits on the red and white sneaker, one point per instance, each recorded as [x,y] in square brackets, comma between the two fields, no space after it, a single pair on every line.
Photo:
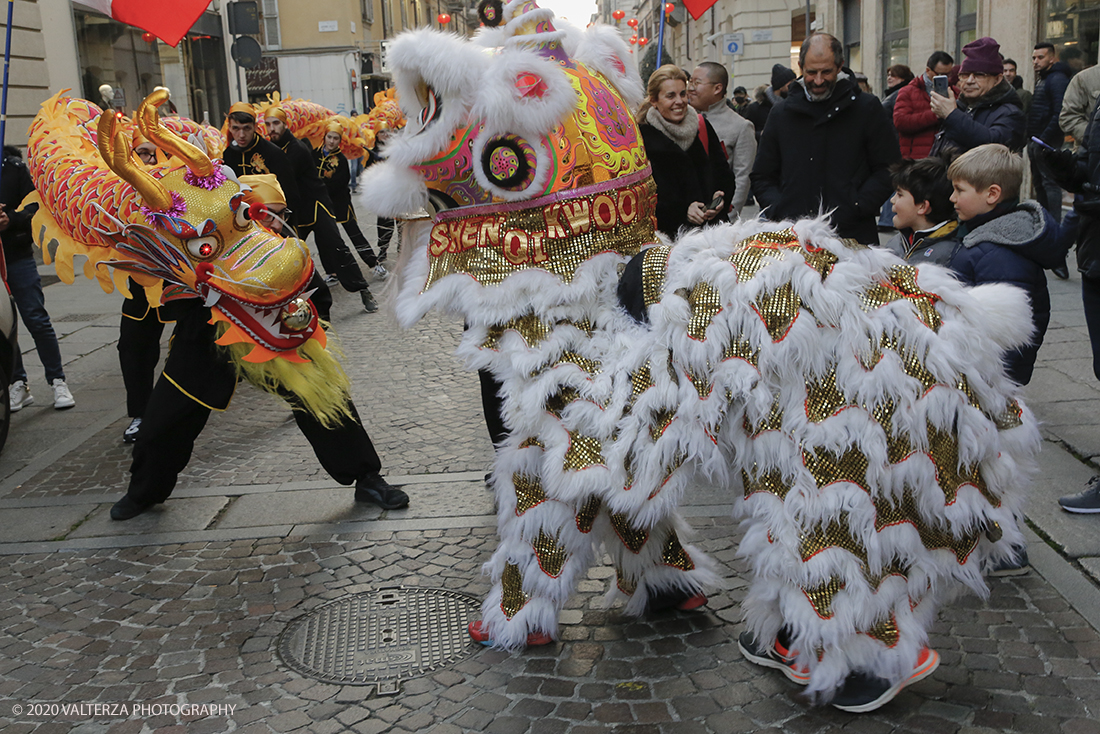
[480,634]
[863,692]
[777,656]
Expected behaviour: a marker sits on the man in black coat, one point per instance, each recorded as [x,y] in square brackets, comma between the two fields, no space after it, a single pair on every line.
[826,146]
[1042,118]
[315,214]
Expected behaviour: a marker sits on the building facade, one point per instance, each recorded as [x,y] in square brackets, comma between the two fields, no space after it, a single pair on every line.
[875,33]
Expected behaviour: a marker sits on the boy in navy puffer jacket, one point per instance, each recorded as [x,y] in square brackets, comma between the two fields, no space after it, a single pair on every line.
[1004,240]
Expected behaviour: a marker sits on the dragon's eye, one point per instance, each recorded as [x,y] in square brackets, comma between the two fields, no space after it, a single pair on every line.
[203,248]
[241,219]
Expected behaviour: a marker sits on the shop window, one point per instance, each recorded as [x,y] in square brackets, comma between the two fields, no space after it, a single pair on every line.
[895,35]
[966,25]
[272,37]
[118,69]
[852,28]
[1069,23]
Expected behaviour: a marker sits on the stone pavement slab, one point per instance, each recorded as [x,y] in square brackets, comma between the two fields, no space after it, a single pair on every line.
[42,523]
[1060,473]
[189,513]
[303,506]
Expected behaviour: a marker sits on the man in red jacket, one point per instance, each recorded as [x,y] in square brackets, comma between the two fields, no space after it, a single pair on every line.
[914,119]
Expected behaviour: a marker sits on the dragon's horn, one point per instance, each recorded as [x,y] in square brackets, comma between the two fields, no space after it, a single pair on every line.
[148,121]
[116,154]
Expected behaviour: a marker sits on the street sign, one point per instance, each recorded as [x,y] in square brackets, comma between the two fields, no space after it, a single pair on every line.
[733,44]
[245,51]
[244,18]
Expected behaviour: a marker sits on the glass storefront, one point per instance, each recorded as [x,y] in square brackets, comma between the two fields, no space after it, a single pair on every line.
[131,63]
[1072,23]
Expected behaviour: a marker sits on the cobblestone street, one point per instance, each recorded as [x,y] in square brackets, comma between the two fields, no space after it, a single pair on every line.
[183,606]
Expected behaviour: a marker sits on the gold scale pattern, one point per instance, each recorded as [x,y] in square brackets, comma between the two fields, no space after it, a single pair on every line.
[550,554]
[632,537]
[677,461]
[531,442]
[1011,417]
[627,586]
[529,492]
[887,513]
[943,447]
[583,451]
[821,596]
[705,304]
[654,266]
[779,309]
[897,444]
[823,397]
[488,265]
[586,517]
[769,481]
[903,285]
[660,421]
[742,349]
[532,328]
[556,403]
[512,596]
[885,631]
[673,553]
[827,467]
[773,421]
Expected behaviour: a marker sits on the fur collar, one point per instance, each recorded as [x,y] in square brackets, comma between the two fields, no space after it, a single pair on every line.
[682,133]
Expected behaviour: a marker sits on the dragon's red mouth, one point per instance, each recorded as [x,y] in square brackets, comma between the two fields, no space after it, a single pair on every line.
[278,327]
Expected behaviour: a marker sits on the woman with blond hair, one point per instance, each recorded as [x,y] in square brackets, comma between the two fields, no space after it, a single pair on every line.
[694,182]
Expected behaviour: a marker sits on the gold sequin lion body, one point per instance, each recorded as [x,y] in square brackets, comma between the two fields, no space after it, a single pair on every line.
[855,408]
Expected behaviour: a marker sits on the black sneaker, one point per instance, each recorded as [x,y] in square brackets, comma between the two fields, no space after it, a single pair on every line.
[771,657]
[368,301]
[863,692]
[1061,272]
[127,507]
[373,488]
[131,433]
[1016,565]
[1085,502]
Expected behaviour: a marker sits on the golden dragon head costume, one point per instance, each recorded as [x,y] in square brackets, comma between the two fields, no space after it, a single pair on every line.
[181,228]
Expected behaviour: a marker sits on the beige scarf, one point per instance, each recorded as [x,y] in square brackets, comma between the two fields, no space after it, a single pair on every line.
[682,133]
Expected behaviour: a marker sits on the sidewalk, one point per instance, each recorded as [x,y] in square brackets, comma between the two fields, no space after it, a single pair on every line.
[184,605]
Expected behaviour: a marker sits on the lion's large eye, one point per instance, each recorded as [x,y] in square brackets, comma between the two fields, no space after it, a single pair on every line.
[240,219]
[203,248]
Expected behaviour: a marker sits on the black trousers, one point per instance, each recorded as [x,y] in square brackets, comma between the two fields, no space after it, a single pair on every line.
[492,403]
[335,255]
[385,234]
[1090,296]
[138,352]
[179,408]
[359,242]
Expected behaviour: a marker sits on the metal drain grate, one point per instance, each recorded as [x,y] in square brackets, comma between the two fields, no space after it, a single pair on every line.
[390,634]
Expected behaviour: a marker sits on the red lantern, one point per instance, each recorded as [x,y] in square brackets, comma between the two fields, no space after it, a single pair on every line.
[148,37]
[643,41]
[633,40]
[669,7]
[633,22]
[618,15]
[443,18]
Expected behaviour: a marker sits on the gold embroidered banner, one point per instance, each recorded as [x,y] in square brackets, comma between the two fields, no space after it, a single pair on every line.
[556,237]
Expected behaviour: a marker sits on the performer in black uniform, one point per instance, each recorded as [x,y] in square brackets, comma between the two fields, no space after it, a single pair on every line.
[334,170]
[199,377]
[315,214]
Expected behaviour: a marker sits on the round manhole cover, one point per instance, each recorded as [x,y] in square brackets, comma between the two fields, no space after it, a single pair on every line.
[385,635]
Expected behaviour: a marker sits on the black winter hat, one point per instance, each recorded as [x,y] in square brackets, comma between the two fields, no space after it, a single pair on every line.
[781,75]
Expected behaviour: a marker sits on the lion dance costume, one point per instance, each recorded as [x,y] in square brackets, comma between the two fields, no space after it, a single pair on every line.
[855,408]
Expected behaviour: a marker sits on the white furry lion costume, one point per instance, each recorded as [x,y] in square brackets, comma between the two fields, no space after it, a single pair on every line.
[858,407]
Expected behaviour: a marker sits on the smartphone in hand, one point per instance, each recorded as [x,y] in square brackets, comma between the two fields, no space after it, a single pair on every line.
[939,85]
[716,203]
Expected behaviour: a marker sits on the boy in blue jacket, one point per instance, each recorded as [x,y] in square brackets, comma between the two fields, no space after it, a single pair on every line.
[1004,240]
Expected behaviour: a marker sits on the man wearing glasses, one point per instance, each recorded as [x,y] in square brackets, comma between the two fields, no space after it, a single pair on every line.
[988,109]
[707,94]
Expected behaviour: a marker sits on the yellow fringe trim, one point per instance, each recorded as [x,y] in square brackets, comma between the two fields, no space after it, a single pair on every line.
[317,380]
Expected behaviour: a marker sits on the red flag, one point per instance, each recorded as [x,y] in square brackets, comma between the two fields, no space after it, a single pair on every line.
[168,20]
[695,7]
